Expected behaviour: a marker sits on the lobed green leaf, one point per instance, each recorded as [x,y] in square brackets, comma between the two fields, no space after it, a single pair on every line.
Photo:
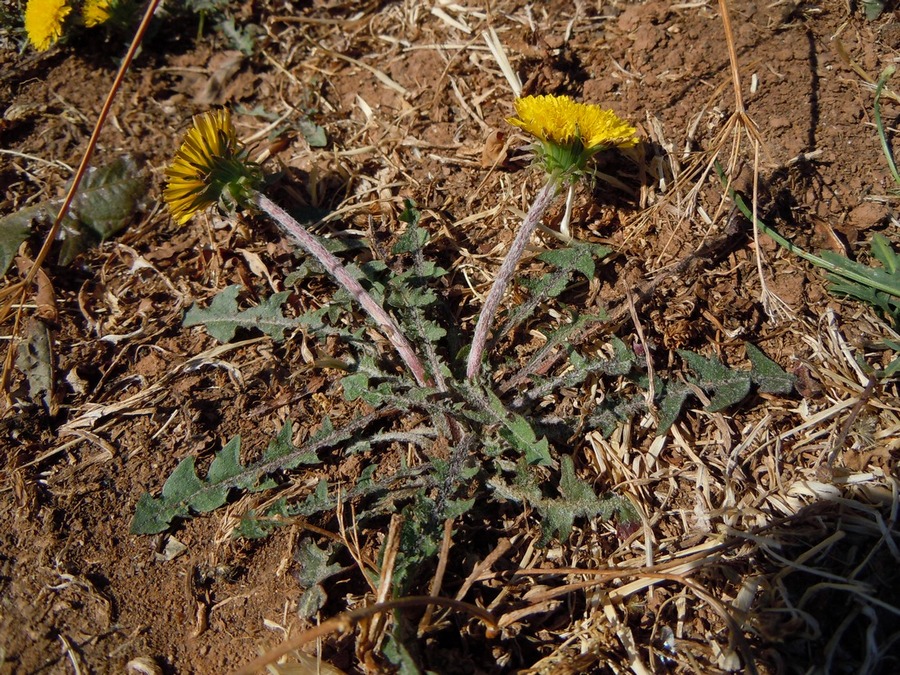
[223,318]
[768,375]
[185,492]
[728,386]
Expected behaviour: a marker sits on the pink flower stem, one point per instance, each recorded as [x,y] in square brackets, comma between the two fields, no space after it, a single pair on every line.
[337,270]
[504,275]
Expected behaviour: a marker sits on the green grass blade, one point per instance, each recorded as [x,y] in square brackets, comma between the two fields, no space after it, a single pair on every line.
[835,264]
[879,124]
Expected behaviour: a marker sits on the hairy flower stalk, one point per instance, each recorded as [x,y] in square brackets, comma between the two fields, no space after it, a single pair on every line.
[504,275]
[337,270]
[211,166]
[568,135]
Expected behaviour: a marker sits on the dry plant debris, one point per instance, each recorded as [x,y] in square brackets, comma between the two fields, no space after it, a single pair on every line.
[668,475]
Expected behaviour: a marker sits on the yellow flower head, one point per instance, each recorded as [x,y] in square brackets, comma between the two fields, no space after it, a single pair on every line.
[570,133]
[96,12]
[210,166]
[44,22]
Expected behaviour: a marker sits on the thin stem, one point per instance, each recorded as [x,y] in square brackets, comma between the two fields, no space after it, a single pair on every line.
[337,270]
[504,275]
[732,57]
[567,218]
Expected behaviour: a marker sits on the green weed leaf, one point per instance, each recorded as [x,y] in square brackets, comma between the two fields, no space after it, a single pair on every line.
[355,386]
[574,490]
[415,238]
[578,257]
[254,526]
[398,654]
[518,432]
[877,286]
[850,270]
[154,515]
[222,318]
[767,374]
[409,290]
[109,196]
[106,202]
[313,569]
[315,502]
[184,491]
[283,447]
[728,386]
[515,429]
[242,37]
[884,253]
[420,540]
[359,385]
[674,398]
[313,133]
[225,465]
[622,363]
[14,229]
[577,499]
[873,8]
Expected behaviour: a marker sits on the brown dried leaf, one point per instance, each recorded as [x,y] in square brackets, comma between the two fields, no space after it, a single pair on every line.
[495,149]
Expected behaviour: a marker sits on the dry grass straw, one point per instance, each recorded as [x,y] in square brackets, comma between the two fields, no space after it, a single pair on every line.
[346,621]
[687,182]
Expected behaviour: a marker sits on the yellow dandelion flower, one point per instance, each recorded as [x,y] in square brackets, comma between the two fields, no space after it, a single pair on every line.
[96,12]
[44,22]
[210,166]
[570,133]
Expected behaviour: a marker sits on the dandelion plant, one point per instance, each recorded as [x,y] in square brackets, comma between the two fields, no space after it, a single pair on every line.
[212,167]
[478,452]
[568,134]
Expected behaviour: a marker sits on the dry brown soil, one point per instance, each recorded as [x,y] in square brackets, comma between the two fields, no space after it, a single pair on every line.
[413,105]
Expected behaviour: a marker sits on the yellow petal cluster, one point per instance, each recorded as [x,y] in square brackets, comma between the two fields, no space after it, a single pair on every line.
[44,22]
[96,12]
[209,148]
[562,121]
